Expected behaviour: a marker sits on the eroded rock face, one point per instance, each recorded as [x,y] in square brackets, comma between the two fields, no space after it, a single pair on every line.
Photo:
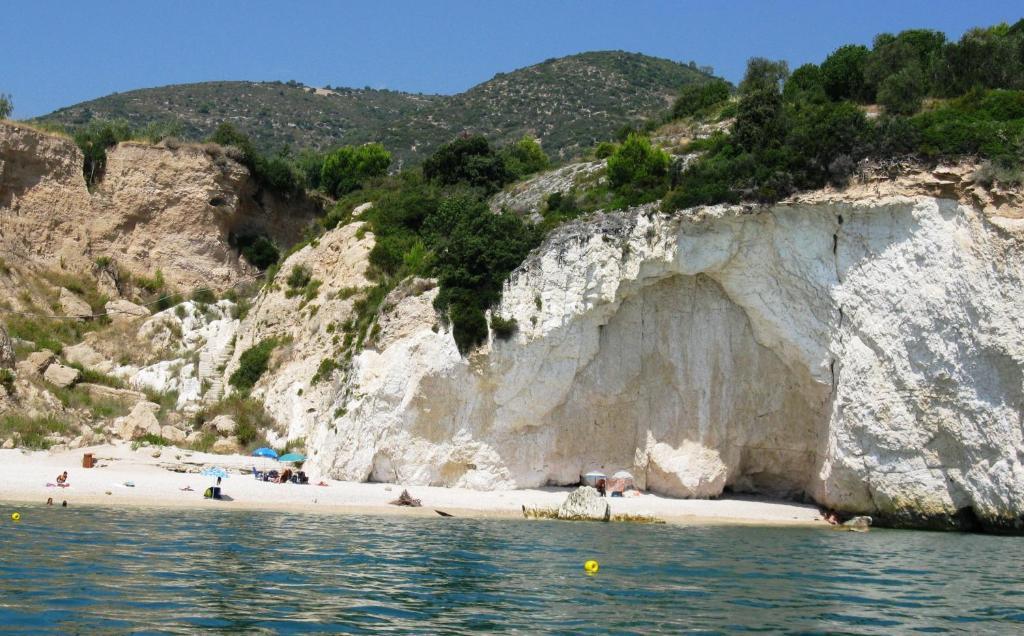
[310,328]
[863,351]
[7,358]
[169,208]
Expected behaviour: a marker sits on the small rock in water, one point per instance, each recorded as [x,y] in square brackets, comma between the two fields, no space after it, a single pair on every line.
[858,524]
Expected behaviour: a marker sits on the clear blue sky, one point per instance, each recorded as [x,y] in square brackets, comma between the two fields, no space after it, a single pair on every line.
[61,52]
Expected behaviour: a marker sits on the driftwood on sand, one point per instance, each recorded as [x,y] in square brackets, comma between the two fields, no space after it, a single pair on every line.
[405,499]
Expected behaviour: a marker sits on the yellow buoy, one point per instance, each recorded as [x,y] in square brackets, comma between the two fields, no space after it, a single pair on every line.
[15,516]
[591,566]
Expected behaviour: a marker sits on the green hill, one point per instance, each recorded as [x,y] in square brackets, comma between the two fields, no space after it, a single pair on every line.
[569,103]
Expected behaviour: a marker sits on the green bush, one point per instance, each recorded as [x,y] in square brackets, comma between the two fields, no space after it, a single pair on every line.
[842,73]
[324,371]
[153,440]
[274,172]
[258,250]
[902,92]
[805,84]
[604,149]
[475,252]
[697,99]
[638,171]
[6,106]
[504,328]
[346,168]
[524,157]
[94,139]
[204,296]
[251,421]
[299,277]
[252,364]
[763,74]
[467,160]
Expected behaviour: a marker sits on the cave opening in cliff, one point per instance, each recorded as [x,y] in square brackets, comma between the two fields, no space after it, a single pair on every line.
[681,391]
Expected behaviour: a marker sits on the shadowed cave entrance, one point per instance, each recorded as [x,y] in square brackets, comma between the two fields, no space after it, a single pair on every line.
[681,392]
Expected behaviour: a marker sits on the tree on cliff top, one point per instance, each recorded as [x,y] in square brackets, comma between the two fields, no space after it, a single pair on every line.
[347,167]
[6,106]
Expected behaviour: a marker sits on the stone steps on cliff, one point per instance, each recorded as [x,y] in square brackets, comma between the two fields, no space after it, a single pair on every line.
[211,368]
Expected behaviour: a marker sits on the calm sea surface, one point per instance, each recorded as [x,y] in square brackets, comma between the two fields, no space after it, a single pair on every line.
[112,571]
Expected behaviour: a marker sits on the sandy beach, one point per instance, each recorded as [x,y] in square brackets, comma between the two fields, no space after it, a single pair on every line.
[158,482]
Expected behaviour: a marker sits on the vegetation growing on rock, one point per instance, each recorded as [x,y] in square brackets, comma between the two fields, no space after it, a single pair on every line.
[807,129]
[252,365]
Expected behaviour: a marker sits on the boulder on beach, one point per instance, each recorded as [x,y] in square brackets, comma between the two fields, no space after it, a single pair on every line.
[141,421]
[227,445]
[172,434]
[585,504]
[223,424]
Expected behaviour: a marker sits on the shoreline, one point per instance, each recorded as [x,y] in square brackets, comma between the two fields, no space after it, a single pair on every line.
[158,482]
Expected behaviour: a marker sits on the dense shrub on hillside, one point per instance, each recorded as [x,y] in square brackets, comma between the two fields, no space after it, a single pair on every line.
[94,140]
[763,74]
[813,132]
[252,364]
[696,99]
[275,172]
[346,168]
[258,250]
[468,160]
[524,157]
[475,251]
[638,171]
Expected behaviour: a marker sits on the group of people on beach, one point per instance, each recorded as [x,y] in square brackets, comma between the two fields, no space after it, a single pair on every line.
[62,482]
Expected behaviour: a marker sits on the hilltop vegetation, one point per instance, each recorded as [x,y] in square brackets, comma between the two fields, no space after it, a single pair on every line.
[568,103]
[938,99]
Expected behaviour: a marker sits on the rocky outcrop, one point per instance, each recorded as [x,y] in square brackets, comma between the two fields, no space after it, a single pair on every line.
[172,208]
[528,197]
[124,310]
[61,376]
[862,350]
[72,306]
[139,422]
[35,363]
[7,358]
[196,340]
[309,326]
[584,504]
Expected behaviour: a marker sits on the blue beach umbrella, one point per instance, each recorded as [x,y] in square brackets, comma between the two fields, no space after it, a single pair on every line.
[215,472]
[292,457]
[265,452]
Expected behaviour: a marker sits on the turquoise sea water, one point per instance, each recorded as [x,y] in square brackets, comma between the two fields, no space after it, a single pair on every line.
[105,570]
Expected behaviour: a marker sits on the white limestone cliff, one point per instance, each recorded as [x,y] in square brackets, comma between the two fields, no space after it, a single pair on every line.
[861,349]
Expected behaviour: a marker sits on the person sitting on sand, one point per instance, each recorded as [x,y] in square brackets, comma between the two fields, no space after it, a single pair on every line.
[62,479]
[285,476]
